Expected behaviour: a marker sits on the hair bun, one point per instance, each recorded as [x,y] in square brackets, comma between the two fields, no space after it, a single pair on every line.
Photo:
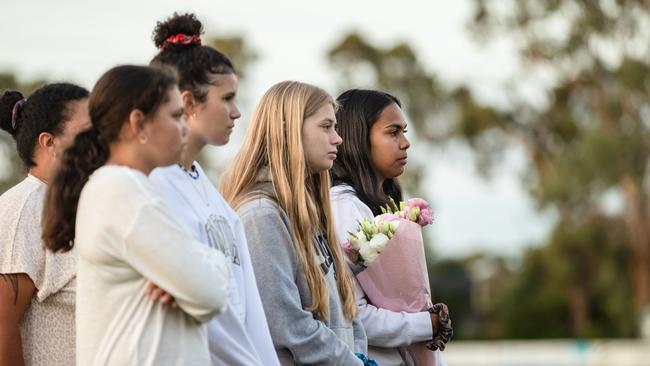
[8,101]
[186,25]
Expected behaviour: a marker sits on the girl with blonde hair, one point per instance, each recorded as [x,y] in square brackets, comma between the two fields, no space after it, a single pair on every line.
[279,184]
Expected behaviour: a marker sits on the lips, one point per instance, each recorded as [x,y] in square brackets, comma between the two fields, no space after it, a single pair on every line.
[332,154]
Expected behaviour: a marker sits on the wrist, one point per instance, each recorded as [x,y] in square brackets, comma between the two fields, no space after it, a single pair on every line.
[434,324]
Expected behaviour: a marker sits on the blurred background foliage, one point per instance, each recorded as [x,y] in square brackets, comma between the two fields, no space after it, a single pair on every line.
[587,144]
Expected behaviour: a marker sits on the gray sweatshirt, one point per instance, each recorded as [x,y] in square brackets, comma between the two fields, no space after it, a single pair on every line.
[298,337]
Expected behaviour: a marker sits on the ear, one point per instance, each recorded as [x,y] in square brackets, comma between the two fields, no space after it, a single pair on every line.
[46,141]
[189,102]
[136,122]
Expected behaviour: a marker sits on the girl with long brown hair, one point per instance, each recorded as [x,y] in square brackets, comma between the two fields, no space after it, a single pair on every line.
[101,203]
[365,177]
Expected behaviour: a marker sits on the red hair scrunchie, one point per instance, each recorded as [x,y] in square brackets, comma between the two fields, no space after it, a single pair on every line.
[182,39]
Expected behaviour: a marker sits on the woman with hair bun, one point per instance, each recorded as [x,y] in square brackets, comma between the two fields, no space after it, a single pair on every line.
[37,288]
[208,84]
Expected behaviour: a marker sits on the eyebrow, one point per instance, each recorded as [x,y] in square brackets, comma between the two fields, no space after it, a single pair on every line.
[397,125]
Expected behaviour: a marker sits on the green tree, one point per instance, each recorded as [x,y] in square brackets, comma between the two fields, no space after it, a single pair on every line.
[592,138]
[587,142]
[554,290]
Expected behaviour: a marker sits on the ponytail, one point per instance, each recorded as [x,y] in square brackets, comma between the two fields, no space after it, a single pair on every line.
[89,152]
[119,91]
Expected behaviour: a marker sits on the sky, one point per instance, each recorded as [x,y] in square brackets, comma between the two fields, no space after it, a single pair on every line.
[77,41]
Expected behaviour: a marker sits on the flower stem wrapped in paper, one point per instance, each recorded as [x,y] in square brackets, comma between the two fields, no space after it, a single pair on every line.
[388,252]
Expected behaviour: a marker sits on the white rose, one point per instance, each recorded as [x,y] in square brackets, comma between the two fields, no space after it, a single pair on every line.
[368,254]
[378,242]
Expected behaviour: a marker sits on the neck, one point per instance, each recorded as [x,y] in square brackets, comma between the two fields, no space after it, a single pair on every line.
[192,150]
[40,172]
[45,166]
[123,155]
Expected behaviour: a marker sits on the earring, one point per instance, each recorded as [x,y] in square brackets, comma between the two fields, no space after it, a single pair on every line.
[143,139]
[193,116]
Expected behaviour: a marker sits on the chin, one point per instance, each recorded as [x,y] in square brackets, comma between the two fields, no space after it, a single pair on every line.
[220,141]
[396,174]
[327,166]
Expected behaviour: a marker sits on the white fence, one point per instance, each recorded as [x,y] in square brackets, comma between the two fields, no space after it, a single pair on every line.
[548,353]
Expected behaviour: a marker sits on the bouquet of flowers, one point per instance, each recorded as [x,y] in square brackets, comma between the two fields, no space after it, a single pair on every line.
[388,252]
[364,246]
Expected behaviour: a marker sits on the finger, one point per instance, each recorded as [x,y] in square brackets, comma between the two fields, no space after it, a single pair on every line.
[174,304]
[158,292]
[165,298]
[150,287]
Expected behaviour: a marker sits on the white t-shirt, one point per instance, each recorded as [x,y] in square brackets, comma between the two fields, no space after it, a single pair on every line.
[239,336]
[126,236]
[387,330]
[47,328]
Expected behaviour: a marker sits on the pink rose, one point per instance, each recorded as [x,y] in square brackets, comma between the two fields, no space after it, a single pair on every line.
[426,217]
[352,253]
[417,202]
[387,217]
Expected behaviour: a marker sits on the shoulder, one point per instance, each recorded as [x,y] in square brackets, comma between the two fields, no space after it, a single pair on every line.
[122,179]
[118,185]
[164,175]
[345,200]
[342,191]
[24,200]
[261,208]
[30,190]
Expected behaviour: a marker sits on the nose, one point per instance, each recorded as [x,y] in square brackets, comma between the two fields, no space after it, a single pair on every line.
[235,114]
[337,139]
[404,144]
